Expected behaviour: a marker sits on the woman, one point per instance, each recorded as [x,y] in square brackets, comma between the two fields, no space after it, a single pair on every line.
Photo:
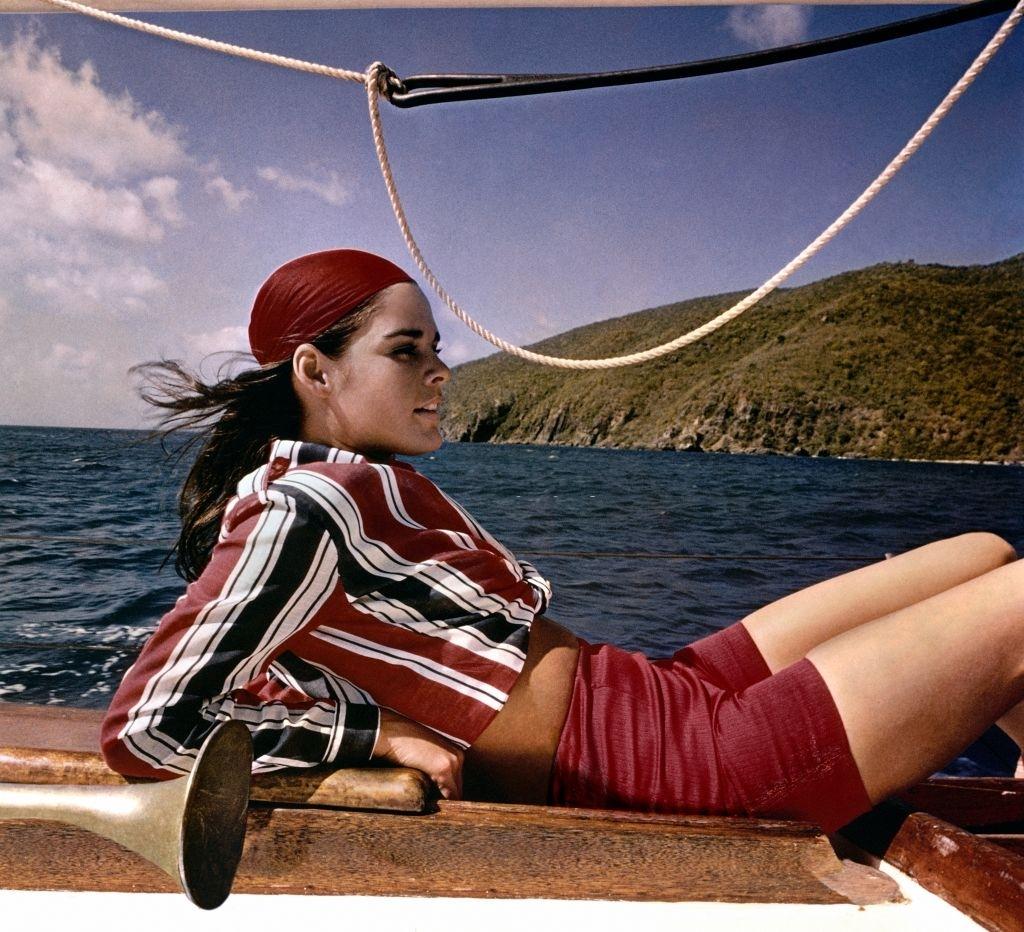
[346,610]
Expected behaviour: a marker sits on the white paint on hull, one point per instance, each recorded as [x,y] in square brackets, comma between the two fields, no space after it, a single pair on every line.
[162,912]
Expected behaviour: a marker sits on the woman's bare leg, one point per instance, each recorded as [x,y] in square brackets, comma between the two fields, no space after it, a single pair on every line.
[915,687]
[787,629]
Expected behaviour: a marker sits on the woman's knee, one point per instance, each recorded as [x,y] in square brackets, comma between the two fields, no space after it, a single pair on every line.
[988,548]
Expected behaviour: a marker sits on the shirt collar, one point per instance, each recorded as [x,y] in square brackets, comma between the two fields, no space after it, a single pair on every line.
[287,454]
[299,452]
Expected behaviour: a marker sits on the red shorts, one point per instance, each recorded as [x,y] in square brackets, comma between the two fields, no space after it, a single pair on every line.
[707,731]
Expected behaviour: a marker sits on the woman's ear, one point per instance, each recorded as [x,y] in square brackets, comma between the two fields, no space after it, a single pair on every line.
[308,369]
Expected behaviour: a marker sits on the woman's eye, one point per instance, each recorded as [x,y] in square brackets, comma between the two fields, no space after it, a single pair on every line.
[411,350]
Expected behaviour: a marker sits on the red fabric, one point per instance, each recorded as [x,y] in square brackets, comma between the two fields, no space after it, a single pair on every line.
[707,731]
[307,295]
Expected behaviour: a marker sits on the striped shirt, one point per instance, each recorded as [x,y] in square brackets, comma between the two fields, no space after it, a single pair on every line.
[338,586]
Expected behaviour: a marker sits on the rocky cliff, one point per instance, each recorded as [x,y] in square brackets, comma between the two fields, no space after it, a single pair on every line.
[898,360]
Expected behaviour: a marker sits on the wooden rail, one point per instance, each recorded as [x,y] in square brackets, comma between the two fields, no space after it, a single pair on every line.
[479,850]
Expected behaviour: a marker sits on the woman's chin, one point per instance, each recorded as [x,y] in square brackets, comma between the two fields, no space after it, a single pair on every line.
[434,443]
[421,445]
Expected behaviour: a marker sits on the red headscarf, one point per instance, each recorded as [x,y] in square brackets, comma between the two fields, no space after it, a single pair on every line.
[307,295]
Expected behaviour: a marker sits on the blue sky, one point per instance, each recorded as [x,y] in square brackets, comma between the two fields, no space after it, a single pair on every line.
[147,188]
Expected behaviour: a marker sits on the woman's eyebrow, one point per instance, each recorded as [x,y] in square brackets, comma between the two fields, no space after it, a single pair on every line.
[411,332]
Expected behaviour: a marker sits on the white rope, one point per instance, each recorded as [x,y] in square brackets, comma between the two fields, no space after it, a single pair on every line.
[376,73]
[377,76]
[211,44]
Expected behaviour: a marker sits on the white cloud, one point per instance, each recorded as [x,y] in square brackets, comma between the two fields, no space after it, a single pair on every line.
[163,193]
[65,117]
[233,197]
[762,27]
[70,362]
[454,352]
[74,379]
[55,200]
[85,188]
[332,190]
[121,286]
[227,339]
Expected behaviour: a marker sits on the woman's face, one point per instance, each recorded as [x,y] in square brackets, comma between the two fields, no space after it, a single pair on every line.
[381,395]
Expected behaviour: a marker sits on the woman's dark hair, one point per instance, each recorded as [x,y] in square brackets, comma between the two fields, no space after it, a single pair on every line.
[235,419]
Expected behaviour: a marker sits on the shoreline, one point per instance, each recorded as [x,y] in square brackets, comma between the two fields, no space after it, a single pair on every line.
[631,449]
[796,456]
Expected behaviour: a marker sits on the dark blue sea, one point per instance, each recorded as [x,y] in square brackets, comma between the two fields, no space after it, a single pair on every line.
[648,550]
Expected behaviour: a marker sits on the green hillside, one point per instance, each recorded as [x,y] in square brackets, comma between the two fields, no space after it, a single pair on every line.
[897,360]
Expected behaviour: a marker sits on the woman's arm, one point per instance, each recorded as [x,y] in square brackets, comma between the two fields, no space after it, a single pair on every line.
[406,743]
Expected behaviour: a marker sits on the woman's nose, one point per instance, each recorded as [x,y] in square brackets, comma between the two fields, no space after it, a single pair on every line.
[439,372]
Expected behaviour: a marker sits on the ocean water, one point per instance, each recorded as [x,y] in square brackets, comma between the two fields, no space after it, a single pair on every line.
[648,550]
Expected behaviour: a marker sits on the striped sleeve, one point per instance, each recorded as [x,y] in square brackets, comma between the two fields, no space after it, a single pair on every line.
[528,572]
[538,583]
[269,578]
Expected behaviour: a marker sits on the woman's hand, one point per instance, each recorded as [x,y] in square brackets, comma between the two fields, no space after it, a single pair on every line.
[409,744]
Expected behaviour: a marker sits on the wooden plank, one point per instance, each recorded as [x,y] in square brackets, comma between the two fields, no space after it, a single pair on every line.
[60,744]
[390,789]
[393,789]
[479,850]
[970,802]
[51,856]
[981,783]
[981,879]
[39,765]
[59,727]
[1014,843]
